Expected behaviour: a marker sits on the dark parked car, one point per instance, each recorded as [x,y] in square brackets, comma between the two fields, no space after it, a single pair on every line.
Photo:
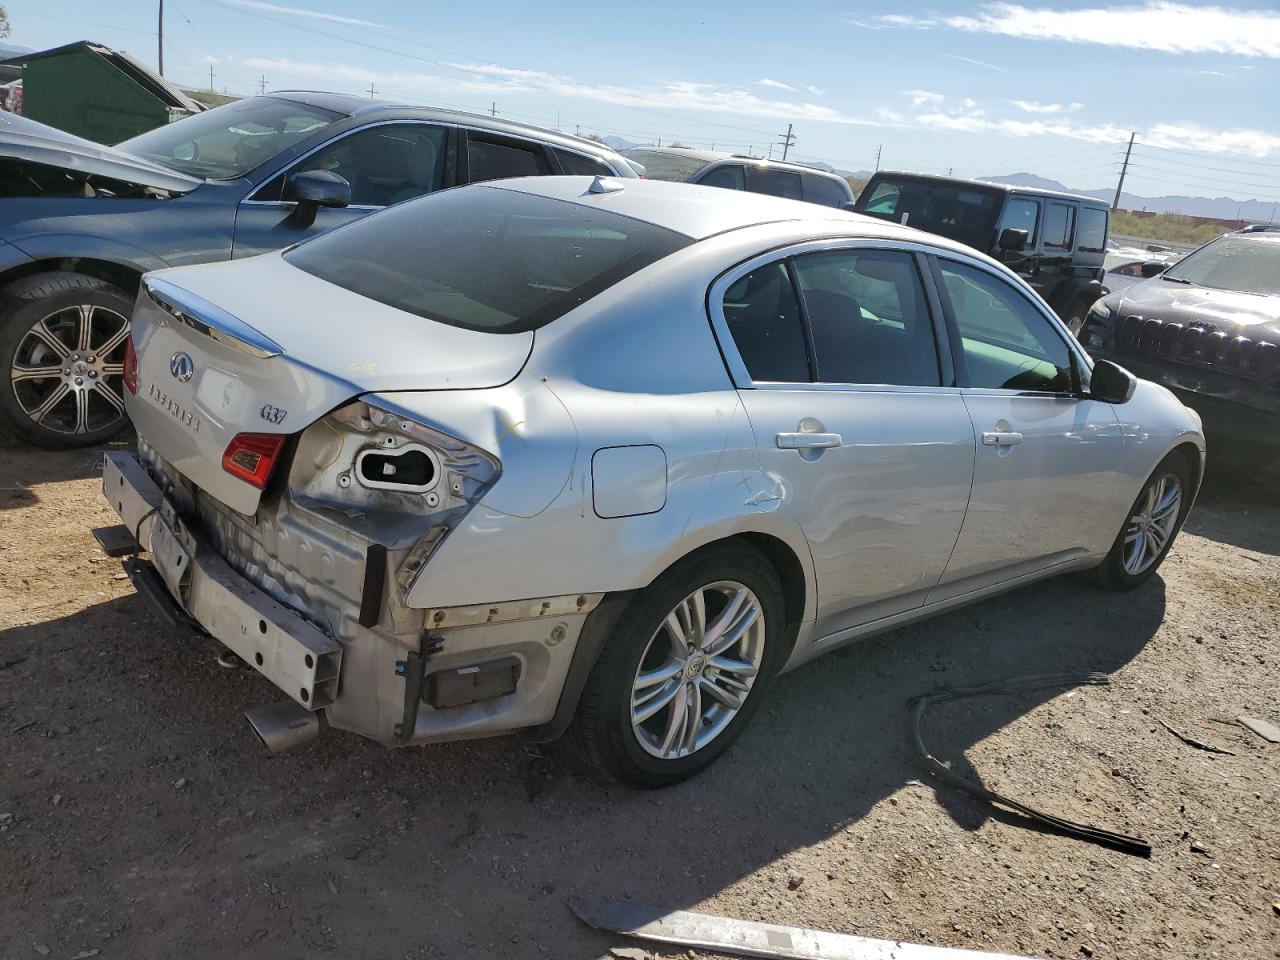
[710,168]
[1055,241]
[80,223]
[1208,328]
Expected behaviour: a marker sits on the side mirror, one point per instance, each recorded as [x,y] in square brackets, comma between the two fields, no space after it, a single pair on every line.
[1013,239]
[1153,268]
[1111,383]
[313,189]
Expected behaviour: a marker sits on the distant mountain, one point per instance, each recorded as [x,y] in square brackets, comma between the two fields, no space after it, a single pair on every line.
[1223,208]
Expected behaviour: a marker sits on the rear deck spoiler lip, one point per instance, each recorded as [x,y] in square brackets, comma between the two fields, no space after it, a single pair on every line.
[208,319]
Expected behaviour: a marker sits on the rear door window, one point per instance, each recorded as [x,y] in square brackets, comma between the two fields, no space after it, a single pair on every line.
[493,158]
[868,314]
[763,317]
[826,191]
[1059,225]
[578,165]
[776,183]
[1093,230]
[732,176]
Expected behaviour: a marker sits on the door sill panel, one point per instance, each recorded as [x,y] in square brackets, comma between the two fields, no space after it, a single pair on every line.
[807,648]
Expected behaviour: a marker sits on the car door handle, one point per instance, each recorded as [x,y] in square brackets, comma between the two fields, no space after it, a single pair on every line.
[997,438]
[808,441]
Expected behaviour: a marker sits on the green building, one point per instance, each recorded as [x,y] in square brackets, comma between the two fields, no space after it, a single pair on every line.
[97,93]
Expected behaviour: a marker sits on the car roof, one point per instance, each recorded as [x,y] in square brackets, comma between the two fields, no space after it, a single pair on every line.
[700,212]
[365,108]
[993,186]
[716,156]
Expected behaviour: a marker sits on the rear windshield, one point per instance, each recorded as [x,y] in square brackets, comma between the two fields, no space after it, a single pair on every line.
[485,258]
[666,166]
[229,141]
[956,211]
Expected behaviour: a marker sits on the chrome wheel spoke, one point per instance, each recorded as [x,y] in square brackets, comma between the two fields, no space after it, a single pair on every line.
[733,632]
[108,394]
[1152,524]
[113,369]
[113,342]
[18,372]
[55,397]
[84,329]
[730,698]
[648,707]
[676,731]
[42,333]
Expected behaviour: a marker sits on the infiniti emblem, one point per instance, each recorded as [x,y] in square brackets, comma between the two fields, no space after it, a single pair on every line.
[181,366]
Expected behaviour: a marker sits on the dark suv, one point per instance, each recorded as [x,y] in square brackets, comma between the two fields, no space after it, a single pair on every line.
[1208,328]
[1056,241]
[80,223]
[711,168]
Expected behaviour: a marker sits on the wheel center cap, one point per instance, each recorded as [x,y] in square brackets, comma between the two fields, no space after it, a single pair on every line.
[694,668]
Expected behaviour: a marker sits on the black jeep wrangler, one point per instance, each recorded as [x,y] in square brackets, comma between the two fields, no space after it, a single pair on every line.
[1056,241]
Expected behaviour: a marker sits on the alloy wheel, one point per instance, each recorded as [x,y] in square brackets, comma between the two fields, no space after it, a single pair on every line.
[67,373]
[697,670]
[1152,523]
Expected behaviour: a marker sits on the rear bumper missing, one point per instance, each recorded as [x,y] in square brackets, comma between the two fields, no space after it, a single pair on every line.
[293,654]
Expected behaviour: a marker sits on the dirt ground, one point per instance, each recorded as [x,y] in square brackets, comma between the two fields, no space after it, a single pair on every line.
[140,818]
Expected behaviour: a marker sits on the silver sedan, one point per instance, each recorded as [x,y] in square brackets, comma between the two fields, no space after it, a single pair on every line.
[612,455]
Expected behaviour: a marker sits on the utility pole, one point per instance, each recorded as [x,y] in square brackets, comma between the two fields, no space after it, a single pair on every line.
[788,139]
[493,109]
[160,39]
[262,84]
[372,91]
[1123,170]
[211,78]
[878,149]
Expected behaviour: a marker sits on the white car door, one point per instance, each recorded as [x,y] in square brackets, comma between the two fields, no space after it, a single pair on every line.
[834,349]
[1048,483]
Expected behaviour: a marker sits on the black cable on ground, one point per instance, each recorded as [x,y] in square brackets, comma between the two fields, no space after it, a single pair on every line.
[1116,841]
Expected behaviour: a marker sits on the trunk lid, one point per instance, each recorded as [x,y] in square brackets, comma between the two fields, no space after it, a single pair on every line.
[22,138]
[258,346]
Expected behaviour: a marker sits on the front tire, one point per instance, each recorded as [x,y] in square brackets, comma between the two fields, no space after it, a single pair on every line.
[63,344]
[1150,527]
[685,669]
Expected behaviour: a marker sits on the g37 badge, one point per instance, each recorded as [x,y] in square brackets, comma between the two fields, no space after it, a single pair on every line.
[272,414]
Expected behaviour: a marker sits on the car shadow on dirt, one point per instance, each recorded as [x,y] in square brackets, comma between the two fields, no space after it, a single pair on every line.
[194,833]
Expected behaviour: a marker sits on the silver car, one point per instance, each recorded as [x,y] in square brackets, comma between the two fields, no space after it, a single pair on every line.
[613,454]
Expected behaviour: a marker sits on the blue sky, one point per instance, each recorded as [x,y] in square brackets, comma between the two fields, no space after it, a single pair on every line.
[987,88]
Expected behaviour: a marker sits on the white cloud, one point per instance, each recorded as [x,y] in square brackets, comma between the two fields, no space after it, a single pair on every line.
[1214,73]
[920,97]
[1155,25]
[266,7]
[1031,106]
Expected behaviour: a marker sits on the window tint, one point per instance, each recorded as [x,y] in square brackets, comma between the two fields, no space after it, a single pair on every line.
[1020,214]
[869,318]
[1058,221]
[731,175]
[1093,230]
[1007,343]
[959,212]
[384,165]
[663,165]
[776,183]
[826,191]
[579,165]
[493,159]
[486,259]
[764,319]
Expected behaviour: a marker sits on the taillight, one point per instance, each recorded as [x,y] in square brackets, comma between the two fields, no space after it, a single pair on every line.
[252,457]
[130,372]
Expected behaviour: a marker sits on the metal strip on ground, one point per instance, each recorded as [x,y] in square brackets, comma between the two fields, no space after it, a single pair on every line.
[705,932]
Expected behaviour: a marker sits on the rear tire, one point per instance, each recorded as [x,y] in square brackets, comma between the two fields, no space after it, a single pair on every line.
[1150,527]
[63,344]
[658,708]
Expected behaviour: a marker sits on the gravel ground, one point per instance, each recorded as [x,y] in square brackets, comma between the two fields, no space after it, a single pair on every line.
[140,818]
